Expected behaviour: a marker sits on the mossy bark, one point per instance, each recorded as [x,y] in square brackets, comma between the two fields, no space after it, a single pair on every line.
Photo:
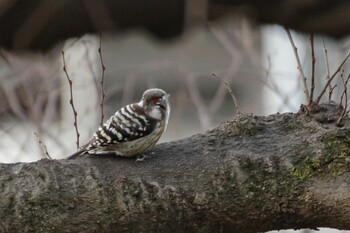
[250,174]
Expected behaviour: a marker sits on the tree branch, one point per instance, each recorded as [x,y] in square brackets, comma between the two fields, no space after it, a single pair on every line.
[299,66]
[38,24]
[251,174]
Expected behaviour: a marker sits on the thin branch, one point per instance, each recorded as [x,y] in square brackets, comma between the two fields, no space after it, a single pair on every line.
[71,101]
[346,95]
[43,148]
[235,101]
[345,111]
[331,91]
[330,88]
[219,96]
[346,90]
[303,77]
[331,78]
[102,81]
[235,64]
[344,85]
[313,60]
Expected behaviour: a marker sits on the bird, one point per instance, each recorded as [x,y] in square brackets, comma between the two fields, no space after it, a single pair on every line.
[133,129]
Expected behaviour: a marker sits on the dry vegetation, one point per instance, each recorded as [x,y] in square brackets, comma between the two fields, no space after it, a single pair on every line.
[313,104]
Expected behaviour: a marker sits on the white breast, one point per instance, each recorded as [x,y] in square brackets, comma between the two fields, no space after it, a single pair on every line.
[155,113]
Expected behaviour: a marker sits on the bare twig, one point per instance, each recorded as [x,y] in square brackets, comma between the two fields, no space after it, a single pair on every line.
[346,94]
[330,88]
[71,101]
[313,60]
[220,94]
[42,146]
[345,111]
[344,86]
[102,81]
[331,78]
[303,77]
[235,64]
[331,91]
[235,101]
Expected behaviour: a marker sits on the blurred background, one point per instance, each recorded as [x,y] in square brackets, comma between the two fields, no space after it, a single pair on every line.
[257,62]
[36,119]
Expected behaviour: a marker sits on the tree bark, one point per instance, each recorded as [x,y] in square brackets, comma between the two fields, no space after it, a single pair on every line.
[250,174]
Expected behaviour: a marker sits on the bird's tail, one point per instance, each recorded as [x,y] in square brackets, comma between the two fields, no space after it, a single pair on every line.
[73,156]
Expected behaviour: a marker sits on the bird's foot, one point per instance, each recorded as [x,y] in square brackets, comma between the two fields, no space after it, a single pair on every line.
[142,157]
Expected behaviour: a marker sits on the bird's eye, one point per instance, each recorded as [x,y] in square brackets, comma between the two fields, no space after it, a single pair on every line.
[154,99]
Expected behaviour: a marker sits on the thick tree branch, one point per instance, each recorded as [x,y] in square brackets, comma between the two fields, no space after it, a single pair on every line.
[39,24]
[317,16]
[251,174]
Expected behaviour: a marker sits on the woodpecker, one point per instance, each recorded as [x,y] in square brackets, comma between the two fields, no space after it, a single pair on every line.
[132,129]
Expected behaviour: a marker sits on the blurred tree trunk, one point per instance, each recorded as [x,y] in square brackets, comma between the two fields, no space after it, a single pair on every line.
[38,24]
[251,174]
[318,16]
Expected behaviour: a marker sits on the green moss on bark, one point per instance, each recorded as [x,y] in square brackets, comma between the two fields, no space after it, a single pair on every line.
[337,151]
[334,158]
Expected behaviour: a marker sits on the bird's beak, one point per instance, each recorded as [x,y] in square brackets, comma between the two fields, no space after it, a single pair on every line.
[162,103]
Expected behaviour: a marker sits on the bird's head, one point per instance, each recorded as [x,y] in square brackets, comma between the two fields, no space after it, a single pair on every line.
[155,103]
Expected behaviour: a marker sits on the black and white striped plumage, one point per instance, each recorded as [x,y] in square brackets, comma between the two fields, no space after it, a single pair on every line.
[133,129]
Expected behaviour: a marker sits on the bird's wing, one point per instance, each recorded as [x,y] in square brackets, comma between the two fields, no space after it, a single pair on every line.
[128,124]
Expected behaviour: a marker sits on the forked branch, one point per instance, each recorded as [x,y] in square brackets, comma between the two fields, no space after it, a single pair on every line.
[331,79]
